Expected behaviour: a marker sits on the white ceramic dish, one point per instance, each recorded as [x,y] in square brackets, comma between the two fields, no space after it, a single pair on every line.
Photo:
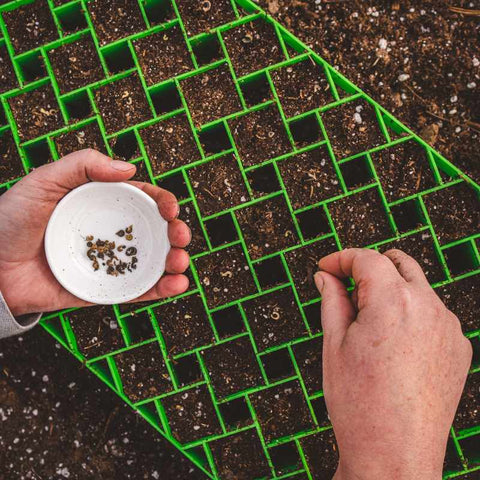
[102,209]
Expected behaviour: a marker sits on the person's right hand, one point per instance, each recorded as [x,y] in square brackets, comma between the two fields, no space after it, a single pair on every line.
[394,366]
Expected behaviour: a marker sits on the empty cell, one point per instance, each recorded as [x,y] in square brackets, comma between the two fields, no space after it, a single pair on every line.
[321,453]
[408,215]
[260,135]
[309,177]
[30,25]
[274,318]
[235,413]
[78,106]
[312,314]
[313,223]
[211,95]
[240,456]
[187,370]
[189,215]
[263,180]
[3,117]
[96,330]
[72,18]
[36,112]
[122,103]
[253,46]
[191,415]
[87,136]
[8,80]
[232,367]
[218,185]
[199,455]
[228,322]
[115,19]
[214,140]
[352,128]
[38,154]
[139,326]
[76,64]
[403,170]
[143,372]
[225,276]
[184,324]
[452,462]
[221,230]
[475,341]
[303,264]
[207,50]
[118,58]
[357,173]
[163,55]
[202,15]
[278,365]
[360,219]
[282,411]
[285,458]
[320,410]
[422,248]
[308,355]
[11,166]
[461,258]
[125,146]
[170,144]
[271,272]
[32,67]
[471,449]
[301,87]
[158,11]
[256,90]
[305,131]
[267,227]
[468,411]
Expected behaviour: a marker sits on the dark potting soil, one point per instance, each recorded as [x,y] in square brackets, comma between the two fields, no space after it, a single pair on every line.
[191,415]
[218,185]
[189,216]
[454,212]
[125,146]
[141,175]
[282,411]
[253,46]
[352,128]
[30,26]
[301,87]
[130,308]
[468,412]
[303,264]
[452,462]
[260,136]
[201,16]
[267,227]
[403,170]
[143,372]
[321,413]
[309,360]
[225,276]
[115,19]
[184,324]
[240,456]
[462,299]
[89,136]
[96,330]
[36,112]
[274,318]
[286,459]
[139,327]
[211,95]
[309,177]
[256,91]
[76,64]
[122,103]
[232,367]
[422,248]
[360,219]
[321,453]
[170,144]
[8,80]
[470,447]
[11,166]
[163,55]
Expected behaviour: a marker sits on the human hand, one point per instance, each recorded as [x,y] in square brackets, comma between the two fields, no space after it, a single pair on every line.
[394,366]
[26,282]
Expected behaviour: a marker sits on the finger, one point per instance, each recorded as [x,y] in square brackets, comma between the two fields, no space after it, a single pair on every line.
[177,261]
[167,286]
[166,201]
[179,233]
[81,167]
[337,309]
[407,267]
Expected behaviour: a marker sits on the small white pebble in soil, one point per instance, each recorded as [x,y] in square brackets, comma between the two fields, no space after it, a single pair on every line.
[476,62]
[403,77]
[454,99]
[358,118]
[45,378]
[382,43]
[471,85]
[155,475]
[196,427]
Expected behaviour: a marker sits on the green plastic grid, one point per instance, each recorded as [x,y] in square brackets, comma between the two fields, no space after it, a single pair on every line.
[342,91]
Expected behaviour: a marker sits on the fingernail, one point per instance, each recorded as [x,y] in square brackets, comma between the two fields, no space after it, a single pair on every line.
[318,277]
[121,166]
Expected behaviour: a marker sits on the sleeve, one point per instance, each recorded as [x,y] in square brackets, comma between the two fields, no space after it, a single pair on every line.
[9,325]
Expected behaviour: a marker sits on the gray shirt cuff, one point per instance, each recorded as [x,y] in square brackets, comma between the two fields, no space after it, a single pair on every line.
[9,325]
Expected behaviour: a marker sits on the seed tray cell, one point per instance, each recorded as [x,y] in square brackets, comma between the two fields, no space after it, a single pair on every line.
[277,160]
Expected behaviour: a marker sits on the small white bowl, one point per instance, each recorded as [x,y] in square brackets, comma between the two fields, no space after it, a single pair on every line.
[102,209]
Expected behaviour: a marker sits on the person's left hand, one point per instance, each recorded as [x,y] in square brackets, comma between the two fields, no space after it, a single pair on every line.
[26,282]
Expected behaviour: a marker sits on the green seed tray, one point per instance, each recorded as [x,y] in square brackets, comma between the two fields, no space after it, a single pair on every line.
[198,396]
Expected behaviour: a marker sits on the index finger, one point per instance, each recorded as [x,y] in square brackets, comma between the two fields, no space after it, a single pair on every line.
[166,201]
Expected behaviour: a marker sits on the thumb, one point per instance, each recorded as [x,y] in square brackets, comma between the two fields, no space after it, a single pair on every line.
[84,166]
[337,309]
